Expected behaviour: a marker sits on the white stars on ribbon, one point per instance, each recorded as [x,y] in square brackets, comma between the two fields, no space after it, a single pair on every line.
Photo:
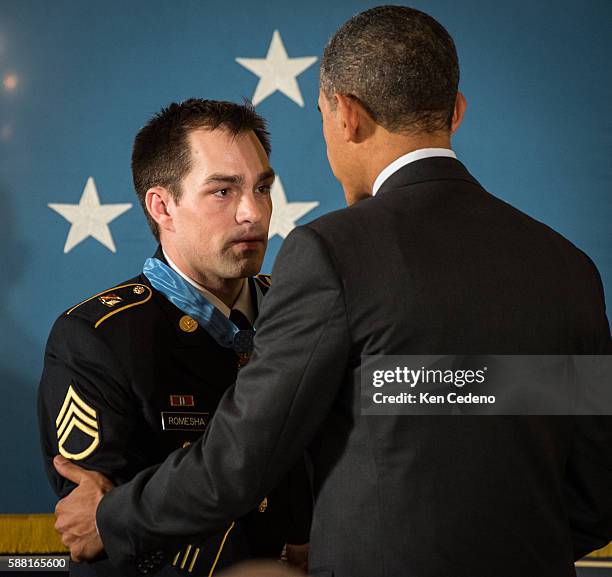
[277,72]
[286,214]
[90,218]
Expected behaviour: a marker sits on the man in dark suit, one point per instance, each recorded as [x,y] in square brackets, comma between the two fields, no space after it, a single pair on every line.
[130,375]
[424,261]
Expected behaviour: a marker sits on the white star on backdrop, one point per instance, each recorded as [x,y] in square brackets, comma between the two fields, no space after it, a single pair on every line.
[89,218]
[277,72]
[284,213]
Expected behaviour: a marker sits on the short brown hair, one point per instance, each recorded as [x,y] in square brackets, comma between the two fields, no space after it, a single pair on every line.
[161,154]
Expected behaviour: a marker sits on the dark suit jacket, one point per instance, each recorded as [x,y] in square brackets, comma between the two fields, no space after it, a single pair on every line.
[432,265]
[141,388]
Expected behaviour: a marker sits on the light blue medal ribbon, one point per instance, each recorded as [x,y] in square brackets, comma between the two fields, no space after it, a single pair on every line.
[188,299]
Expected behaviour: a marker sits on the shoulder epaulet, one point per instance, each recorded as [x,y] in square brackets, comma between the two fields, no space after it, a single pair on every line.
[264,279]
[104,305]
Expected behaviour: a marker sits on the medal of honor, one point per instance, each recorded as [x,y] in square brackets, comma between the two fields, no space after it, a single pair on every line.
[198,311]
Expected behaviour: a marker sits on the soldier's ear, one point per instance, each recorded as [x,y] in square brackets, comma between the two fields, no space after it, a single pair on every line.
[159,204]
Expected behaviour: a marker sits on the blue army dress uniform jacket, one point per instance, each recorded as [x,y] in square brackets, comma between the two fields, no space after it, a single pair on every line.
[129,378]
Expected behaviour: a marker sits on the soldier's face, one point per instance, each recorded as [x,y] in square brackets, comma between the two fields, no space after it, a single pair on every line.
[222,218]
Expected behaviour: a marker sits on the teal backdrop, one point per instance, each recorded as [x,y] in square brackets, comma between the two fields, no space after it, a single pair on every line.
[80,77]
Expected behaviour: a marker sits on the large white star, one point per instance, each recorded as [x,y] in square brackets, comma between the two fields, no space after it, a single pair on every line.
[89,218]
[284,213]
[277,72]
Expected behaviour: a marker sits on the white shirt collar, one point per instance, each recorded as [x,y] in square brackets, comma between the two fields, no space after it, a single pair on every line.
[407,159]
[243,303]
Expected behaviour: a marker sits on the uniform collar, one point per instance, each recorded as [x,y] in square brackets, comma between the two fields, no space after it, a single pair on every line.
[244,302]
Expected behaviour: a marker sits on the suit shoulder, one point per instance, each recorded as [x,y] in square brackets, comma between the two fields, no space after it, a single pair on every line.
[341,229]
[111,303]
[342,217]
[540,231]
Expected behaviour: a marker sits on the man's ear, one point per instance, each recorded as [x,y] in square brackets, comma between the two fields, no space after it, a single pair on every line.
[355,122]
[159,203]
[458,112]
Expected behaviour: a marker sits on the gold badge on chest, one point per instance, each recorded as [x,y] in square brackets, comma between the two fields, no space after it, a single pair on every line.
[188,324]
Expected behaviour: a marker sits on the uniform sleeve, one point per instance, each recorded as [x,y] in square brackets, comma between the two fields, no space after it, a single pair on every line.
[262,425]
[85,410]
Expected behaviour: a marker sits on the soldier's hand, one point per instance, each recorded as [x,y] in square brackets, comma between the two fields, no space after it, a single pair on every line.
[76,513]
[297,556]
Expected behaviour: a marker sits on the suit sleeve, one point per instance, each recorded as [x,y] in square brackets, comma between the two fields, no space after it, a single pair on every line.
[588,481]
[589,485]
[300,504]
[262,424]
[84,410]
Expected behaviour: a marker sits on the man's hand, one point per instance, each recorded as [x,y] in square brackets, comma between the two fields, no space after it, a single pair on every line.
[76,513]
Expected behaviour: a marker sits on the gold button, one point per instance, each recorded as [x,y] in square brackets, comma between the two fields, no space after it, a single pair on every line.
[263,505]
[188,324]
[186,444]
[138,289]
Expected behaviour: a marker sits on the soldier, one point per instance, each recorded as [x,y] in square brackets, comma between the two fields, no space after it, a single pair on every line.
[135,372]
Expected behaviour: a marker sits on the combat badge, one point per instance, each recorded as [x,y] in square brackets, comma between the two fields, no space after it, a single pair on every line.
[110,300]
[76,415]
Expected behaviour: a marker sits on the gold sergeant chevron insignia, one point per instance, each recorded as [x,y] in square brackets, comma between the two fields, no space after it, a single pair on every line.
[76,414]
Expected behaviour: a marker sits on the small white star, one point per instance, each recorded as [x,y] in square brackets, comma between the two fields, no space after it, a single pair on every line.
[277,72]
[285,214]
[89,218]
